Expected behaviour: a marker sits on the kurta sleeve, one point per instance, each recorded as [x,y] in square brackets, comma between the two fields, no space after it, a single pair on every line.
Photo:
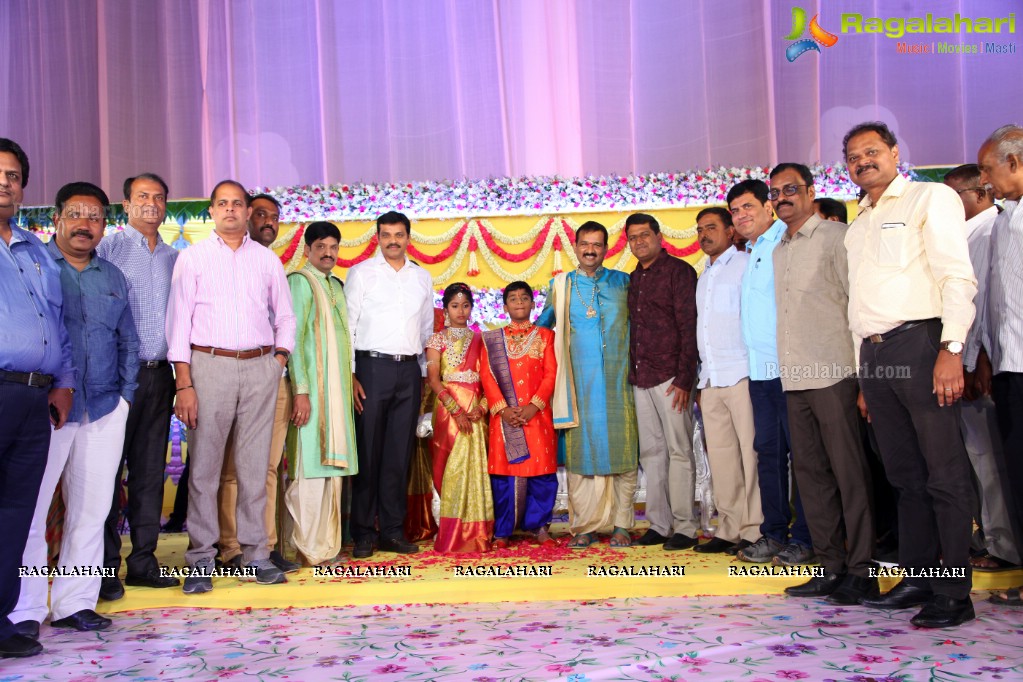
[542,396]
[302,361]
[495,398]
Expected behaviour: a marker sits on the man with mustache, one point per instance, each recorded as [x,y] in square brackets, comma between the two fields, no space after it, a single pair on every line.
[1001,167]
[724,386]
[911,289]
[263,228]
[818,374]
[85,454]
[230,330]
[592,403]
[324,449]
[752,211]
[662,371]
[37,376]
[147,262]
[390,318]
[979,417]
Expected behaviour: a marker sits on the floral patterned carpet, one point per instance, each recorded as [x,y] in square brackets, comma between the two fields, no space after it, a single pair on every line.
[754,639]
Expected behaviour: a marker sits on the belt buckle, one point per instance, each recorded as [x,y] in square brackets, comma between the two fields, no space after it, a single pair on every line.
[31,379]
[875,338]
[237,355]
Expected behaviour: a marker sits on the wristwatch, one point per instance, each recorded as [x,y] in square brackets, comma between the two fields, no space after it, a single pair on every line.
[952,347]
[287,355]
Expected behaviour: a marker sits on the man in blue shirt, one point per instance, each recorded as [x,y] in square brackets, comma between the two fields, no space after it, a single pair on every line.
[147,263]
[752,213]
[36,370]
[83,455]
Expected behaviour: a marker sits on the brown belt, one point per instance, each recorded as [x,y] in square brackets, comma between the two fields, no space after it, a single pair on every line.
[236,354]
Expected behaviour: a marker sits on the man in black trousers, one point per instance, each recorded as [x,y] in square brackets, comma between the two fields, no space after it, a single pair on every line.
[390,317]
[37,382]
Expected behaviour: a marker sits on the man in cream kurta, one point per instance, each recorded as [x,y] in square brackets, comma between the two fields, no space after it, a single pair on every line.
[323,435]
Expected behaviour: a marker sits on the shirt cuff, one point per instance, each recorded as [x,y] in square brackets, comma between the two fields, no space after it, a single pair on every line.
[538,402]
[129,396]
[954,332]
[496,408]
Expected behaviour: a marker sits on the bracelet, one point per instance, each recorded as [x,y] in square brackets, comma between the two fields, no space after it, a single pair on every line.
[182,388]
[451,406]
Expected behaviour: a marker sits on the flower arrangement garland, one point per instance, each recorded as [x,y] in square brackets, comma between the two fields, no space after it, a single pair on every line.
[536,195]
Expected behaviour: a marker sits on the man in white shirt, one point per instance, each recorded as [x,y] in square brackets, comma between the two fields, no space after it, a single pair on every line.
[724,386]
[979,422]
[1001,167]
[390,315]
[911,289]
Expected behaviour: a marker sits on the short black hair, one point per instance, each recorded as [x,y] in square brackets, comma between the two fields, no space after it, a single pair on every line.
[79,189]
[832,208]
[642,219]
[887,136]
[393,218]
[758,188]
[213,194]
[968,172]
[320,230]
[12,147]
[518,285]
[145,176]
[591,226]
[803,171]
[719,211]
[454,289]
[268,198]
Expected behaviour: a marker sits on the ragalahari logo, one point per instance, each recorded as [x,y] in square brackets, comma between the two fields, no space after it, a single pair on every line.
[818,35]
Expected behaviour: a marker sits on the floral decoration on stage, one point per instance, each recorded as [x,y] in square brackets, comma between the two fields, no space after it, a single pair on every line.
[534,195]
[488,306]
[477,238]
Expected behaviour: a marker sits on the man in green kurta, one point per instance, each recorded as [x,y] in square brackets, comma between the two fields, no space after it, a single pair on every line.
[322,437]
[593,402]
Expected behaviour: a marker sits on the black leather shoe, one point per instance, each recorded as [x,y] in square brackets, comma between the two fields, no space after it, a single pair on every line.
[715,546]
[28,628]
[152,579]
[234,563]
[738,547]
[173,525]
[83,621]
[283,564]
[399,545]
[19,646]
[854,589]
[902,596]
[651,537]
[944,611]
[363,550]
[679,541]
[110,589]
[817,586]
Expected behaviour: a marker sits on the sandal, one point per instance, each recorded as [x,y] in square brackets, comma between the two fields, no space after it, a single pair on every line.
[1010,598]
[544,539]
[989,563]
[582,541]
[501,543]
[617,535]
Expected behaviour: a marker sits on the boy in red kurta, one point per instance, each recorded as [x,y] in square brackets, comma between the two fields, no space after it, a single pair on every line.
[518,379]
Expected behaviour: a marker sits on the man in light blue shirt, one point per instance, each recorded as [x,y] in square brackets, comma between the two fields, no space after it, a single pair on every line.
[752,213]
[36,376]
[724,387]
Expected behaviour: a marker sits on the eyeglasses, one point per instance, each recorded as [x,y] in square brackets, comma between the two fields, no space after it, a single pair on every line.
[970,189]
[787,190]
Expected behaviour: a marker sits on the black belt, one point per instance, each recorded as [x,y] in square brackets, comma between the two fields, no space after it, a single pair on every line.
[385,356]
[33,379]
[152,364]
[905,326]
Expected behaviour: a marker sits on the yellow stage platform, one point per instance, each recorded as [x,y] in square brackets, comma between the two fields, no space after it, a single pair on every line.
[598,572]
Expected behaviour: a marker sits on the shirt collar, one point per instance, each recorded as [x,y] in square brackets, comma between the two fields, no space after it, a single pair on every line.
[773,234]
[980,219]
[58,255]
[725,257]
[135,235]
[894,189]
[245,238]
[17,234]
[597,275]
[806,229]
[379,258]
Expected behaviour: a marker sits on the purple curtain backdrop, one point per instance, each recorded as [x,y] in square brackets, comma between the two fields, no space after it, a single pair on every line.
[312,91]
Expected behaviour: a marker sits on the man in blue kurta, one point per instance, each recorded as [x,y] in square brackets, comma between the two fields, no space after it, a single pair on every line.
[593,402]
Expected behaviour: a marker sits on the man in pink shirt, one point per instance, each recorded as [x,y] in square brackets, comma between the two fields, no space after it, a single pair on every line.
[230,330]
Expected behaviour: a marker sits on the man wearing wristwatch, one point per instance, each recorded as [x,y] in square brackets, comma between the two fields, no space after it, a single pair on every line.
[230,330]
[390,318]
[911,289]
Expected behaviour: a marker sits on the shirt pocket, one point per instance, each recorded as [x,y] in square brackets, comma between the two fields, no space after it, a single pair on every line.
[724,299]
[895,245]
[106,309]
